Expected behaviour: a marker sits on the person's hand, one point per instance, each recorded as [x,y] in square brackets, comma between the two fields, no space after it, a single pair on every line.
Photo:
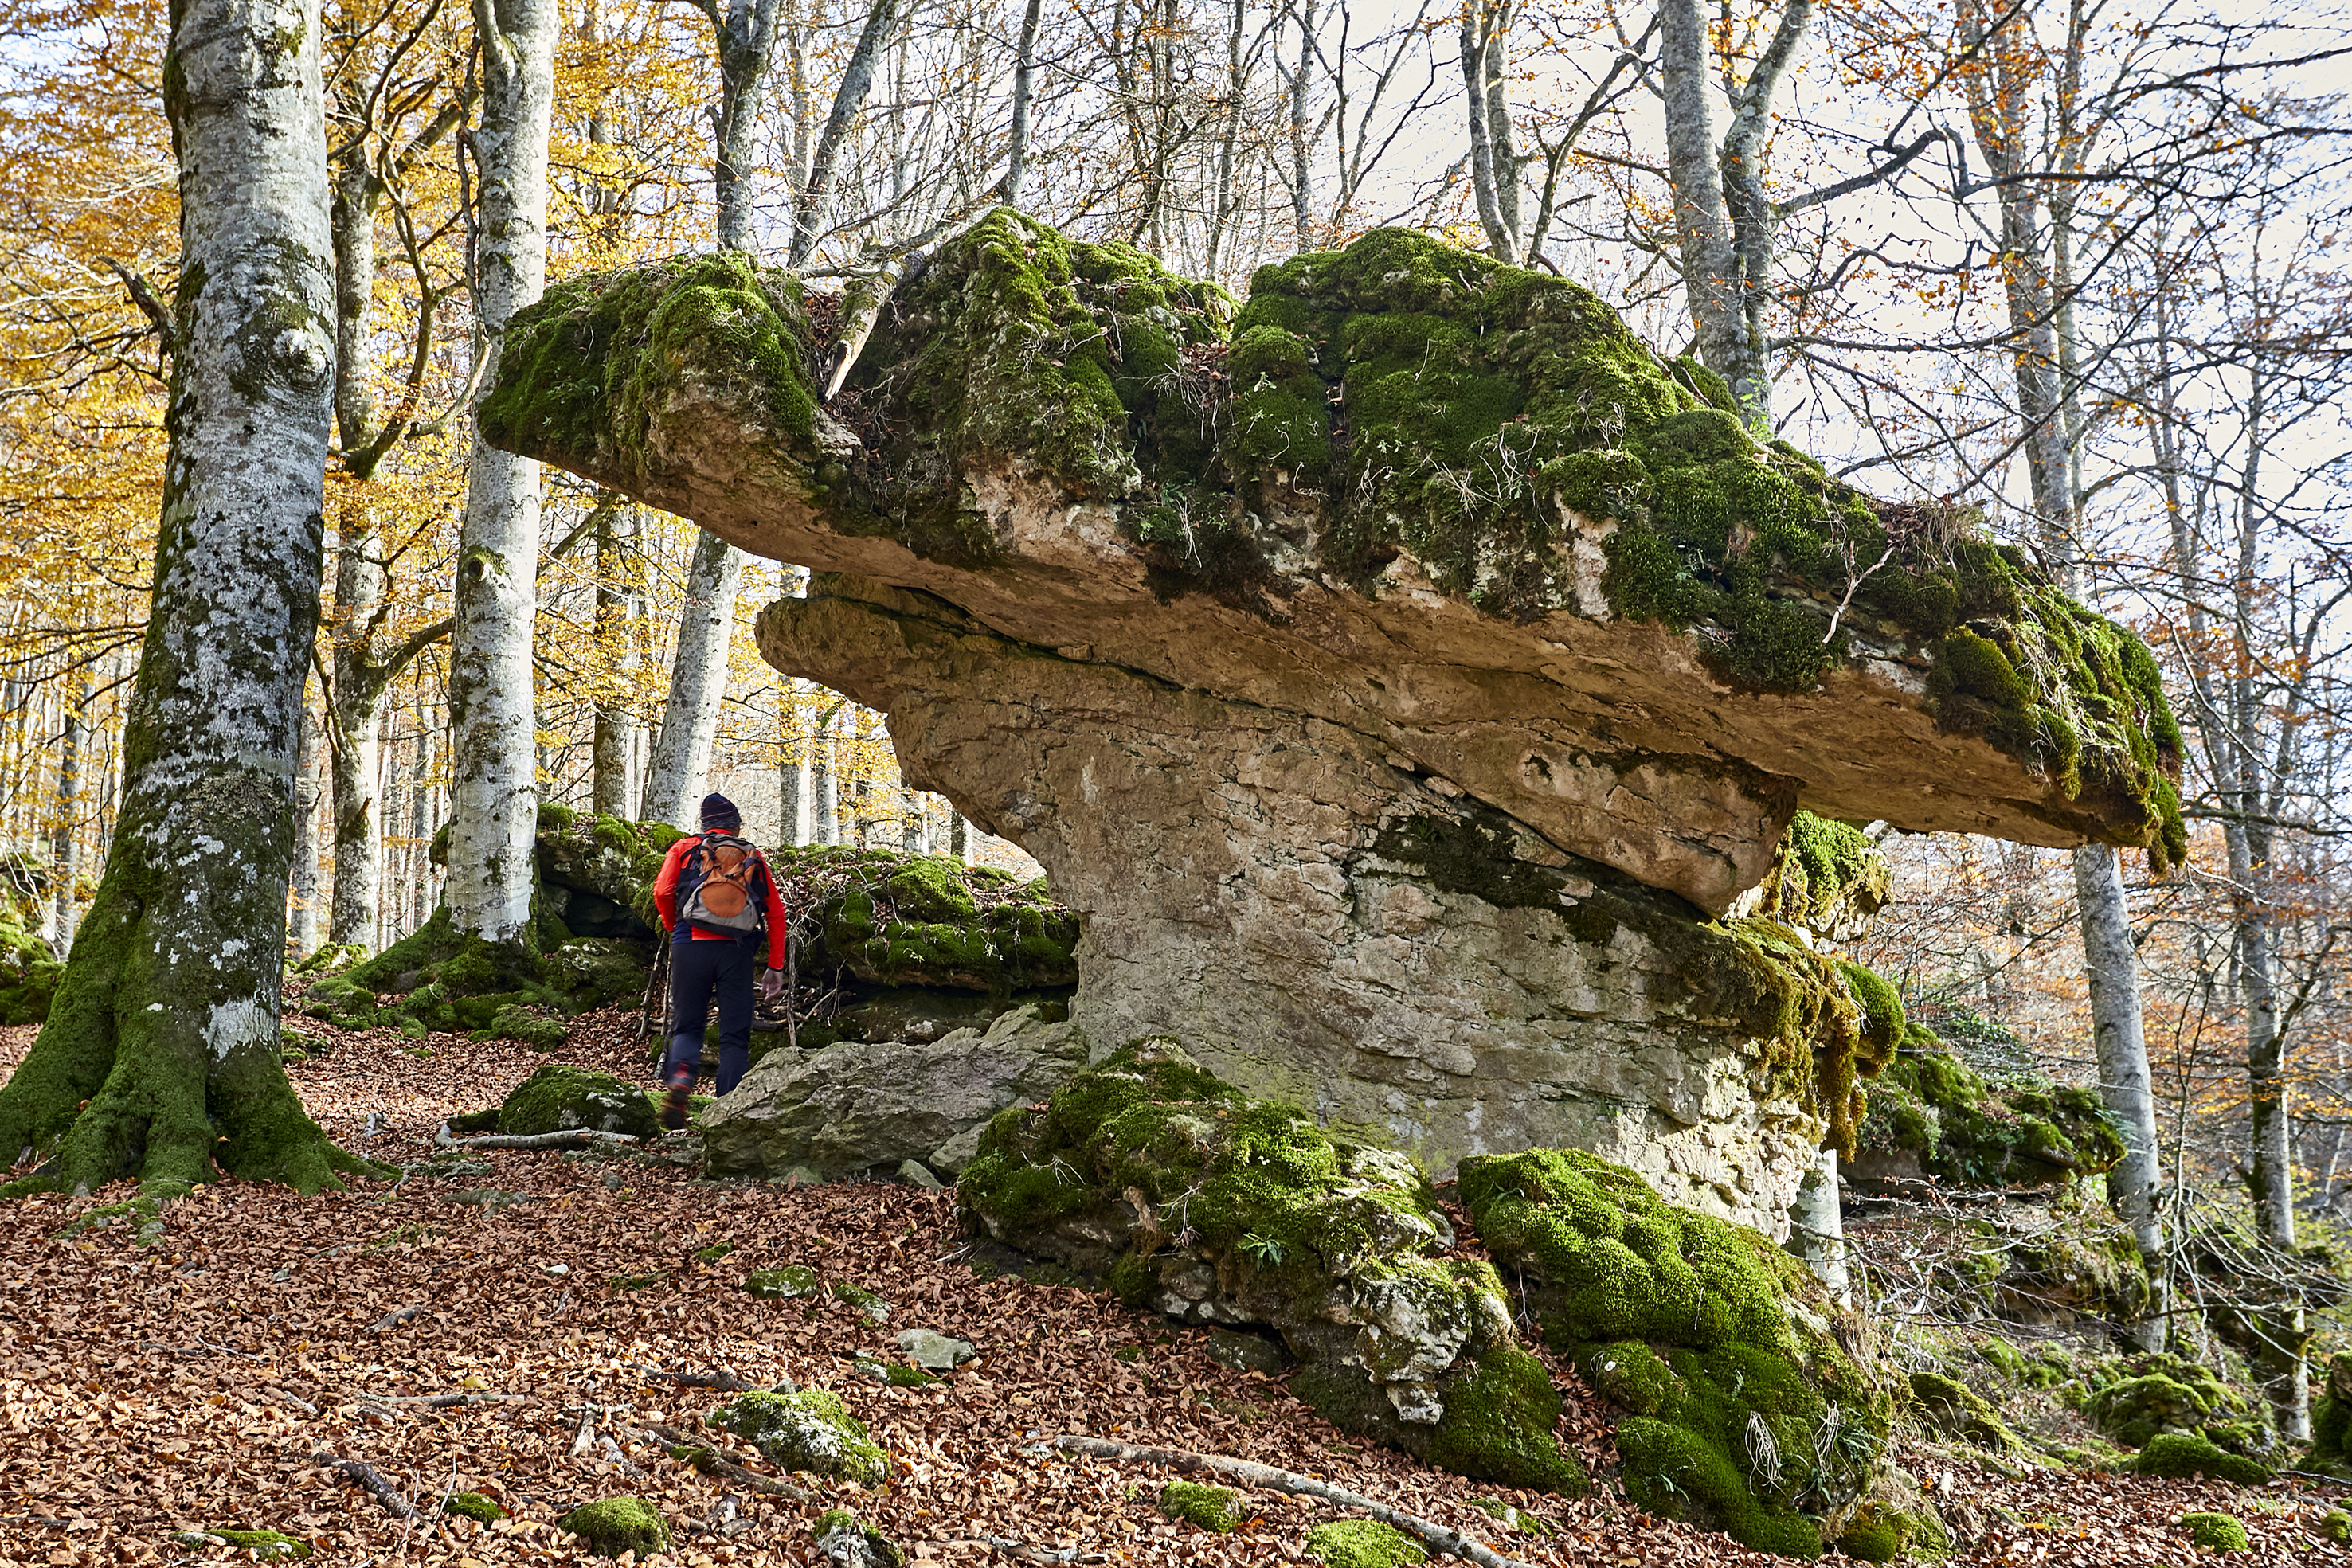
[771,985]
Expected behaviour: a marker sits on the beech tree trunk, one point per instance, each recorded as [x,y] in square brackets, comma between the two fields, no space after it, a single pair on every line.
[698,684]
[613,755]
[1817,1227]
[746,33]
[65,845]
[302,916]
[2137,1182]
[160,1056]
[494,786]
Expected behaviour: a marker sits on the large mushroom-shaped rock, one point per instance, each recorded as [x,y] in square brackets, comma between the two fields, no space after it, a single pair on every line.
[1396,675]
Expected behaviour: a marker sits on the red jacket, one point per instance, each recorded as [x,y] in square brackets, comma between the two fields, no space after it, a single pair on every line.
[666,899]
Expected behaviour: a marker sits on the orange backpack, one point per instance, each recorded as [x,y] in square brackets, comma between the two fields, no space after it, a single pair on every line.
[718,887]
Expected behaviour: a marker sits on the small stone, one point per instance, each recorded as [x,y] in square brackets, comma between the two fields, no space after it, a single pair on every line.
[781,1284]
[1245,1351]
[2216,1532]
[914,1173]
[811,1430]
[613,1180]
[858,1299]
[618,1524]
[844,1542]
[1212,1508]
[803,1175]
[935,1352]
[473,1505]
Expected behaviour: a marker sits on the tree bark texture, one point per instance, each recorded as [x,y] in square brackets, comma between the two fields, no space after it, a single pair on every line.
[613,787]
[302,911]
[698,684]
[65,845]
[747,37]
[166,1022]
[1702,230]
[2126,1088]
[1024,73]
[494,804]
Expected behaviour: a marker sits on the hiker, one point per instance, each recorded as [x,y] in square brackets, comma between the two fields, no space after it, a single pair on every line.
[715,895]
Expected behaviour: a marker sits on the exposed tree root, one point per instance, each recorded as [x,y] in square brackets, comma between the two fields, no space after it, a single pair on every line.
[1436,1537]
[709,1462]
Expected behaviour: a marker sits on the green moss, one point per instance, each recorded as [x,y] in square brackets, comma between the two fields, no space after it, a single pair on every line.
[810,1430]
[1362,1543]
[2164,1392]
[1498,1423]
[842,1537]
[2180,1455]
[781,1284]
[2022,1130]
[1826,877]
[1876,1534]
[616,1525]
[557,1097]
[2215,1531]
[584,371]
[2336,1525]
[473,1505]
[1744,1412]
[1212,1508]
[1954,1409]
[928,921]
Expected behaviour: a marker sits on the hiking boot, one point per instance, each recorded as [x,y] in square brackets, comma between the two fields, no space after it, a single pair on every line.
[674,1104]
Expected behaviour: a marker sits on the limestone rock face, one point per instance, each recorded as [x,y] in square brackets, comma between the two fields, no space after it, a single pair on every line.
[855,1106]
[1245,623]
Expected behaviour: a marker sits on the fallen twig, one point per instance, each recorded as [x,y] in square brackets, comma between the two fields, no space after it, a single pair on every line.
[394,1319]
[566,1138]
[710,1462]
[444,1401]
[718,1377]
[365,1476]
[1437,1537]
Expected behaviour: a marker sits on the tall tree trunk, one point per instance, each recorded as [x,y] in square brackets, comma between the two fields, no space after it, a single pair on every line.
[612,785]
[302,916]
[493,774]
[2136,1185]
[747,37]
[356,768]
[698,683]
[1710,266]
[960,837]
[1494,175]
[825,789]
[160,1056]
[65,843]
[1024,72]
[813,205]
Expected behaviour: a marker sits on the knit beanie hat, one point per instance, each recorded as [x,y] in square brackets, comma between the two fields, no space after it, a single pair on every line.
[718,812]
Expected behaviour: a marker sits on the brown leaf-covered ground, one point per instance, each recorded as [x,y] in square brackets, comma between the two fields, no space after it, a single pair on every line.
[148,1391]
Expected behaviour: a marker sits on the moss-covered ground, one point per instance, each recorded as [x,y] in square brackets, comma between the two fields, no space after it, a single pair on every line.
[2015,1129]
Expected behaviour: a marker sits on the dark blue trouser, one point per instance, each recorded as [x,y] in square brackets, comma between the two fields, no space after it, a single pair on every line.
[698,970]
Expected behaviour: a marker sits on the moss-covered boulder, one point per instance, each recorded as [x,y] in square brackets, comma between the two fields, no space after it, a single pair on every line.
[29,971]
[617,1526]
[1746,1406]
[930,922]
[811,1430]
[473,1505]
[1192,1199]
[2181,1455]
[2133,1401]
[2331,1422]
[598,870]
[267,1546]
[558,1098]
[1826,877]
[1934,1116]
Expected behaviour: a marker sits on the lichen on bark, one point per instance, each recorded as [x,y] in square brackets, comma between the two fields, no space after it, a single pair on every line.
[159,1057]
